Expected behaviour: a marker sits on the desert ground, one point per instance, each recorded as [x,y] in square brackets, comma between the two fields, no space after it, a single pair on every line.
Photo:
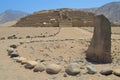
[60,45]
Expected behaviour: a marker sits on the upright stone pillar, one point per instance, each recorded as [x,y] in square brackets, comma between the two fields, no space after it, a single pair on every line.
[100,47]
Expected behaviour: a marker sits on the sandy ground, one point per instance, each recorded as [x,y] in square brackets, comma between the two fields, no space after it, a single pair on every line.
[54,45]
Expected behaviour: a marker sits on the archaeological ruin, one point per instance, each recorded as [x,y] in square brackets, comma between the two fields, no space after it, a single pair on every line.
[55,18]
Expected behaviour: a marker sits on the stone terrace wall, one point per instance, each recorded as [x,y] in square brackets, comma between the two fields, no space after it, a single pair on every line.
[54,18]
[81,19]
[39,19]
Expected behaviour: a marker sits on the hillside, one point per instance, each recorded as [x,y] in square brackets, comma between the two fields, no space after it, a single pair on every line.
[11,15]
[8,24]
[110,10]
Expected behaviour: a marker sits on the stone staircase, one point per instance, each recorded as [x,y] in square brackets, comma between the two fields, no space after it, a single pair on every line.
[65,23]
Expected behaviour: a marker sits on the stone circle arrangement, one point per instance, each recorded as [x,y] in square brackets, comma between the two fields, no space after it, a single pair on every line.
[72,69]
[98,51]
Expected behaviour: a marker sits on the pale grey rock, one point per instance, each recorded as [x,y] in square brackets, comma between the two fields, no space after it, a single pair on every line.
[39,68]
[91,70]
[53,68]
[73,69]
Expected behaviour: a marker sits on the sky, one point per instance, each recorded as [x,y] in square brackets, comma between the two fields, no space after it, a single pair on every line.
[30,6]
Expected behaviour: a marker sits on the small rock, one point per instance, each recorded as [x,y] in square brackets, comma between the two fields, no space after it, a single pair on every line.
[116,72]
[27,36]
[65,75]
[24,62]
[28,66]
[73,69]
[13,46]
[91,70]
[10,50]
[12,37]
[40,60]
[19,59]
[14,54]
[53,69]
[106,72]
[20,38]
[21,43]
[39,68]
[82,67]
[33,63]
[2,38]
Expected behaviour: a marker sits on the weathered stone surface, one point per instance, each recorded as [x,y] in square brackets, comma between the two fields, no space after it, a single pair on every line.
[53,69]
[91,70]
[116,72]
[106,72]
[39,68]
[100,48]
[73,69]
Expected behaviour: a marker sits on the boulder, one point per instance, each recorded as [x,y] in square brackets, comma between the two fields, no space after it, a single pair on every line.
[53,68]
[73,69]
[116,72]
[91,70]
[106,72]
[99,50]
[39,68]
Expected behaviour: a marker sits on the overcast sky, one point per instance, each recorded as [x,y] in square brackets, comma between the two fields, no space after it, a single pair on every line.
[37,5]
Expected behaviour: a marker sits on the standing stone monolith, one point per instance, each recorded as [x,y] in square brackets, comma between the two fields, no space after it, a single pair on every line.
[100,47]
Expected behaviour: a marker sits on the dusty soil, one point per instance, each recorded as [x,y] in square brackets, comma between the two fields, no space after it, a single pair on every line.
[53,45]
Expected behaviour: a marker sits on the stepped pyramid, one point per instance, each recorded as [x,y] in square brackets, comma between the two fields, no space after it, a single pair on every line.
[55,18]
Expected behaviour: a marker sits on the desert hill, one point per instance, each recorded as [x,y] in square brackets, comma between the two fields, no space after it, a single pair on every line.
[58,17]
[11,15]
[110,10]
